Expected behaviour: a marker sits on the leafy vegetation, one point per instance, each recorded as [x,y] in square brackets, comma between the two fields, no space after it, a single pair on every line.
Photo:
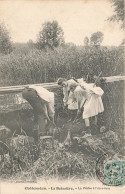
[96,38]
[28,66]
[50,36]
[5,41]
[118,12]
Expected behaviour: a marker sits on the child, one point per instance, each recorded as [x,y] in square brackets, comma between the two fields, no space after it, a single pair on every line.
[88,97]
[68,99]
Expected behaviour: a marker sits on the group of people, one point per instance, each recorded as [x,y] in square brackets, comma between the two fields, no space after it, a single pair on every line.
[80,97]
[83,98]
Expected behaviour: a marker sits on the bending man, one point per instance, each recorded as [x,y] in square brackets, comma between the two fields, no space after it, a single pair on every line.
[42,102]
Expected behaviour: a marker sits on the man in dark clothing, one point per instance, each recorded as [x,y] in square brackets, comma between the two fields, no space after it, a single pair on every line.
[40,109]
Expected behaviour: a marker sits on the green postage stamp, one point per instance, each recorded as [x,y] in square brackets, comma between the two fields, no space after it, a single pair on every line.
[114,173]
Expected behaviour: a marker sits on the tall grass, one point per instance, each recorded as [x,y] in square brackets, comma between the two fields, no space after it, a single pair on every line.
[28,66]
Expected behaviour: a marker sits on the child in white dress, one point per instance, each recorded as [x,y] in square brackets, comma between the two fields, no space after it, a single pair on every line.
[89,97]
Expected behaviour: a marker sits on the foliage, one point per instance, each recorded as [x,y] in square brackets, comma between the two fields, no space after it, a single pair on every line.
[53,162]
[5,43]
[123,42]
[86,41]
[50,36]
[119,12]
[96,38]
[51,159]
[28,66]
[22,160]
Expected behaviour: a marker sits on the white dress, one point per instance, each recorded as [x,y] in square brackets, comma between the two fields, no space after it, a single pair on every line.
[93,104]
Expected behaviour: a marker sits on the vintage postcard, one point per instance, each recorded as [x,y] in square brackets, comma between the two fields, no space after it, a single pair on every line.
[62,97]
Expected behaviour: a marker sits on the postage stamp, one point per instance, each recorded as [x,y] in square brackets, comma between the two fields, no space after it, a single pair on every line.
[114,173]
[110,172]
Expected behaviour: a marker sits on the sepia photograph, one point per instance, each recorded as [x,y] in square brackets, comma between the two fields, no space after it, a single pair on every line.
[62,86]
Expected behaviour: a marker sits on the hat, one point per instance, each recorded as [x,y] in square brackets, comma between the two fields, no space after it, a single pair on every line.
[60,80]
[73,85]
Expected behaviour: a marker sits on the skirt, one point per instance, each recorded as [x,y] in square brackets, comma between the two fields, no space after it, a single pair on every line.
[93,106]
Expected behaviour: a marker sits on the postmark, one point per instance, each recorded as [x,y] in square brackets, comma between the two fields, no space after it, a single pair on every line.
[114,173]
[110,171]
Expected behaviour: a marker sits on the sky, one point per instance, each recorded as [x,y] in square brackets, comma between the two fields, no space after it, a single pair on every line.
[78,19]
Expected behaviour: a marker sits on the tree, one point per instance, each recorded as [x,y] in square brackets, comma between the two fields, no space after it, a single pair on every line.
[96,38]
[30,44]
[50,36]
[123,42]
[119,12]
[5,42]
[86,41]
